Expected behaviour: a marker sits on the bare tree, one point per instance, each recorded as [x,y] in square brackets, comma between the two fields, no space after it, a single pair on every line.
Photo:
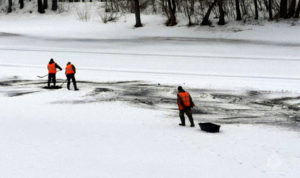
[45,4]
[172,13]
[188,7]
[21,3]
[270,10]
[40,7]
[256,9]
[9,8]
[138,22]
[297,11]
[54,5]
[221,13]
[238,11]
[283,9]
[196,11]
[206,20]
[244,9]
[292,9]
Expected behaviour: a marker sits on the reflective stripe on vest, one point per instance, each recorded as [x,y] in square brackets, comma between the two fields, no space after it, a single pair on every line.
[69,69]
[185,98]
[52,68]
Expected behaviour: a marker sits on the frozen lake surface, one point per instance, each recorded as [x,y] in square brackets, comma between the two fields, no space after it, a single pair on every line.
[123,122]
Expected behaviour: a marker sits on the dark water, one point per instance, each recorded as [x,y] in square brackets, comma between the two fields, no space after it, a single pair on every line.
[221,106]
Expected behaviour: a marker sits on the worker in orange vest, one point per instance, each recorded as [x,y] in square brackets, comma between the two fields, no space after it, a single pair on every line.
[52,66]
[185,104]
[70,74]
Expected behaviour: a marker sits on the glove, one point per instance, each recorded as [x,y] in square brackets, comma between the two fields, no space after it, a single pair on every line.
[192,104]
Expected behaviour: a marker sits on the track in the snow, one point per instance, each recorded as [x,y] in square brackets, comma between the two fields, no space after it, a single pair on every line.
[152,39]
[199,57]
[166,73]
[222,106]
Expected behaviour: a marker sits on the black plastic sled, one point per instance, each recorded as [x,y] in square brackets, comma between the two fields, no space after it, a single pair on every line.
[52,87]
[209,127]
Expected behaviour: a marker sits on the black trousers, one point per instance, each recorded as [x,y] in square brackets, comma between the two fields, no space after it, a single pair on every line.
[51,77]
[69,77]
[188,112]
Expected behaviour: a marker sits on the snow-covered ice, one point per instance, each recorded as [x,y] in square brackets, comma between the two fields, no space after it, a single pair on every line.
[104,139]
[110,128]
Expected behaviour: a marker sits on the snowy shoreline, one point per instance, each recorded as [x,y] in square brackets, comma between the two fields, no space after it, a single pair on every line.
[67,26]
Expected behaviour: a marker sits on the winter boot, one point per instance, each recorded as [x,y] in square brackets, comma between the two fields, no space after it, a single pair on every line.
[192,122]
[75,87]
[182,119]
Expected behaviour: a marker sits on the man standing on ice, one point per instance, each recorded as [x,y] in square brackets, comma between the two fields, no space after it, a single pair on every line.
[52,66]
[70,73]
[185,104]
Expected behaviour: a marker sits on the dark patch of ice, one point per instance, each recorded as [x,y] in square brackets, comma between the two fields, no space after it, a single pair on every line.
[19,93]
[254,107]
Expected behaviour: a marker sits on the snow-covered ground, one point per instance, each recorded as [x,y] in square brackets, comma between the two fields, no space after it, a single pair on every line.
[40,139]
[239,76]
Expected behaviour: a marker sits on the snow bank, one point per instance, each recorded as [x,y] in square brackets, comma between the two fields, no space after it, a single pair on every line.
[116,140]
[67,24]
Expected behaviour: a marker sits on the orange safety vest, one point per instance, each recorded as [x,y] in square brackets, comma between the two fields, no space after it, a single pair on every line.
[69,69]
[52,68]
[184,98]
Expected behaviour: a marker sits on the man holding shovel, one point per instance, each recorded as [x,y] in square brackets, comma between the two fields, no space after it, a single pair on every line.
[70,74]
[185,103]
[52,66]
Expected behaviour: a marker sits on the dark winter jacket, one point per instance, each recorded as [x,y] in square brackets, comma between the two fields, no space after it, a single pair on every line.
[74,68]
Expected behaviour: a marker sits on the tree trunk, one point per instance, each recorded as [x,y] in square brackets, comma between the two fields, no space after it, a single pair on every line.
[266,4]
[21,2]
[189,10]
[40,7]
[137,14]
[270,10]
[205,20]
[256,9]
[192,7]
[54,5]
[45,4]
[244,9]
[238,11]
[297,11]
[292,9]
[222,14]
[9,6]
[283,9]
[172,12]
